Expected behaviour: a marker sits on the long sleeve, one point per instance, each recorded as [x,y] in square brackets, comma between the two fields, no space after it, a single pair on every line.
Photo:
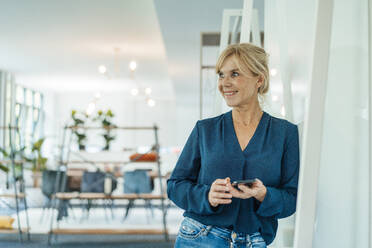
[281,202]
[182,187]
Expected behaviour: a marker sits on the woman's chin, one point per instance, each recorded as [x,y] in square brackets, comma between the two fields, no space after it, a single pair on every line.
[230,104]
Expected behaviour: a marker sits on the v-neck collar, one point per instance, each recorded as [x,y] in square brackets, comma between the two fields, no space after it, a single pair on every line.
[235,137]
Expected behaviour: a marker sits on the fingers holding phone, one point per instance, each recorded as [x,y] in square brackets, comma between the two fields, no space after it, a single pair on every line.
[245,189]
[247,182]
[219,192]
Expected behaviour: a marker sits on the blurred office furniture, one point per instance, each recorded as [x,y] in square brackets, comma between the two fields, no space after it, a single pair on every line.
[61,196]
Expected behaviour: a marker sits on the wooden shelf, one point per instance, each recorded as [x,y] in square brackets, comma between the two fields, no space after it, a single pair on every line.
[97,196]
[94,162]
[67,196]
[10,161]
[13,230]
[20,195]
[108,231]
[113,127]
[139,196]
[7,127]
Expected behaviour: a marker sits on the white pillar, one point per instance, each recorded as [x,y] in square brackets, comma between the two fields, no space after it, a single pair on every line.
[312,139]
[246,21]
[370,121]
[284,65]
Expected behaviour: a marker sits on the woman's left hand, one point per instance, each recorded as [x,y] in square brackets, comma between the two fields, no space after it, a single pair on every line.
[257,190]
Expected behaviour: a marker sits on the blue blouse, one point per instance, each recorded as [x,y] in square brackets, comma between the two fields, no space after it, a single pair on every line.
[212,151]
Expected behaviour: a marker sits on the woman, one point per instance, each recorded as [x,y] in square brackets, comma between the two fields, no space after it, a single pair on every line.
[245,143]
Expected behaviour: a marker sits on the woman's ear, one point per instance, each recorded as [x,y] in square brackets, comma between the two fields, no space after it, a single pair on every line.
[259,81]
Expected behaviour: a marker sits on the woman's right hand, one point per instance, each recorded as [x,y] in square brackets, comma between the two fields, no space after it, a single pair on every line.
[219,192]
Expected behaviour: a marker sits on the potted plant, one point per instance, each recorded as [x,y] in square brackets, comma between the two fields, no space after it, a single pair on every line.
[79,120]
[106,121]
[38,161]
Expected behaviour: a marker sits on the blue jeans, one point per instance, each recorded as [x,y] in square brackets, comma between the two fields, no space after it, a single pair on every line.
[195,234]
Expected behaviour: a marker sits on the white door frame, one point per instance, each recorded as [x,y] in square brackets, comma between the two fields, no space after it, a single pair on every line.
[312,137]
[284,65]
[370,121]
[249,23]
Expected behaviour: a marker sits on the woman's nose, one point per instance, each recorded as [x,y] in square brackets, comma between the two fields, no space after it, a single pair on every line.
[226,81]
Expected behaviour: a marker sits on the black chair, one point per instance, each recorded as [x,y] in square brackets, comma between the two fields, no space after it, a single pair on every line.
[94,182]
[49,187]
[138,182]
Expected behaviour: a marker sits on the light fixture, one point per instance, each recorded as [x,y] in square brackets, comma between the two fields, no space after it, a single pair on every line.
[102,69]
[134,91]
[90,109]
[148,91]
[282,111]
[273,72]
[97,95]
[132,65]
[137,90]
[274,98]
[150,102]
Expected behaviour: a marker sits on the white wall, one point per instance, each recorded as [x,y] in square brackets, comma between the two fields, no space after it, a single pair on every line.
[128,112]
[342,205]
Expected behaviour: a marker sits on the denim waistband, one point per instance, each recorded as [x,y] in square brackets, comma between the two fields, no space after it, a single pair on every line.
[225,233]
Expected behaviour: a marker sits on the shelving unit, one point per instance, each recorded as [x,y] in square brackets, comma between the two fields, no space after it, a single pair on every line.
[18,196]
[61,196]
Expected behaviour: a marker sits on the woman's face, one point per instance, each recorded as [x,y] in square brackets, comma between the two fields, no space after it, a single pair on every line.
[237,89]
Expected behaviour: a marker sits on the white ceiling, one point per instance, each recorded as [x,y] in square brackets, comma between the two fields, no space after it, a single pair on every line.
[58,45]
[181,24]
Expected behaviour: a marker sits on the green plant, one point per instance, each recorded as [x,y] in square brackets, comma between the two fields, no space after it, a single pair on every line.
[107,124]
[4,166]
[38,161]
[5,163]
[79,120]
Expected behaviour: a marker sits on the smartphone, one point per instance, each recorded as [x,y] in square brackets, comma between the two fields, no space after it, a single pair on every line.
[247,182]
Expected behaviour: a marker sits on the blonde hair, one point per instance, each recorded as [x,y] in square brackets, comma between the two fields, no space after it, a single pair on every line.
[249,58]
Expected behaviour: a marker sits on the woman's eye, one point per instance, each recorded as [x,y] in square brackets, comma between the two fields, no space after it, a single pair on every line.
[220,75]
[235,74]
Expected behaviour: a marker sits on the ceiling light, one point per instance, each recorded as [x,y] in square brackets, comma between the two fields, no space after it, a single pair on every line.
[273,72]
[148,91]
[151,102]
[282,111]
[97,95]
[132,65]
[102,69]
[134,92]
[91,108]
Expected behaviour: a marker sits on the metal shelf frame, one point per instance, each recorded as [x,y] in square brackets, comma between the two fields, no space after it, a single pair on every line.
[19,197]
[60,196]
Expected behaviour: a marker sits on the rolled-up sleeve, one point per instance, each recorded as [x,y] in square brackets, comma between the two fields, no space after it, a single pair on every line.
[281,202]
[182,186]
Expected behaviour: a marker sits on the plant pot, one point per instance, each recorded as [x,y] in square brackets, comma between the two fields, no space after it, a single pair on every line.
[36,177]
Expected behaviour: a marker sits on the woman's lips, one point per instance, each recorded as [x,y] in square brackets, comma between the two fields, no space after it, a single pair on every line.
[229,93]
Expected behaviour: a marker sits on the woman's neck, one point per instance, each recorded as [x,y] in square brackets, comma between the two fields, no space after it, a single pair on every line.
[247,115]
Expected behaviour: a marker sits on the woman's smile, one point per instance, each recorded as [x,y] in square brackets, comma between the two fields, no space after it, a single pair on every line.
[230,93]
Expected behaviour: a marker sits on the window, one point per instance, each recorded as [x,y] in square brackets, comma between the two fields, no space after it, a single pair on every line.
[23,108]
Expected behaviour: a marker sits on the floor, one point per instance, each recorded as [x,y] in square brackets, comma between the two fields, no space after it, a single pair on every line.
[138,218]
[82,241]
